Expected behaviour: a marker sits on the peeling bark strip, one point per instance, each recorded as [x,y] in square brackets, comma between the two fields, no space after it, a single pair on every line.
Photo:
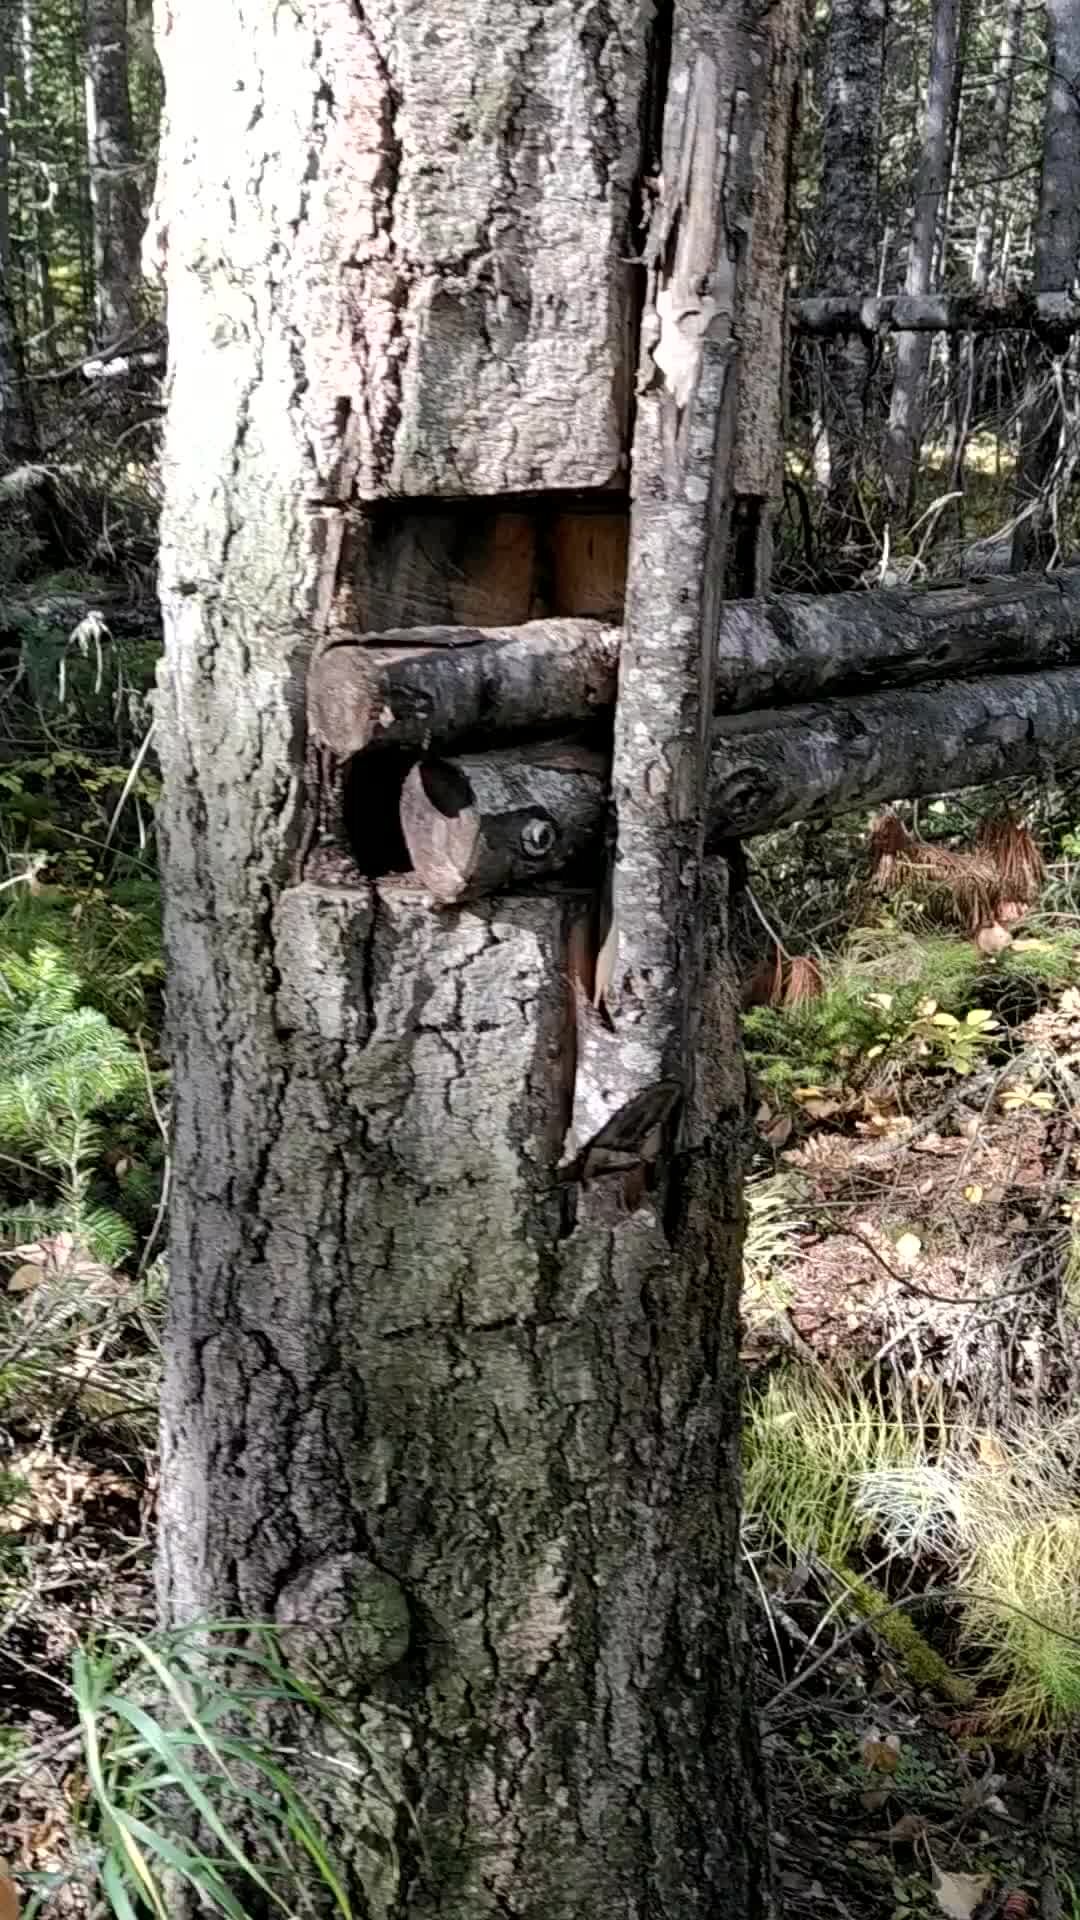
[439,685]
[800,646]
[770,770]
[484,823]
[830,316]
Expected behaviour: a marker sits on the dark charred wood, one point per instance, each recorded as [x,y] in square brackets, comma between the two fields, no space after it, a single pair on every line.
[801,646]
[771,769]
[437,686]
[482,823]
[829,316]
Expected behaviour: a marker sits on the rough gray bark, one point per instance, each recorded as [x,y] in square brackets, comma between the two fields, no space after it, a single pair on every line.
[771,769]
[1042,465]
[115,200]
[832,316]
[478,1462]
[7,61]
[848,239]
[437,686]
[931,179]
[485,823]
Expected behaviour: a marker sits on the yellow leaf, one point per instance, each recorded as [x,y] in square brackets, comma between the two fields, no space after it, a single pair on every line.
[973,1194]
[1033,946]
[908,1249]
[926,1009]
[945,1020]
[873,1052]
[981,1018]
[882,1000]
[1044,1101]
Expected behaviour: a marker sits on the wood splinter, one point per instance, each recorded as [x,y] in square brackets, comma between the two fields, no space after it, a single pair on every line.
[483,823]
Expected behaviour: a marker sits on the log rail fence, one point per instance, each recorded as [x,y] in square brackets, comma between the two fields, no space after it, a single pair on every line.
[491,743]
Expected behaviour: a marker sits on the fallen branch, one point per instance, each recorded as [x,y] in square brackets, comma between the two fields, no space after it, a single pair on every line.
[450,686]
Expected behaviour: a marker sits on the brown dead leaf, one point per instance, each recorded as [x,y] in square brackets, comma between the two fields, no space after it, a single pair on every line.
[9,1896]
[958,1894]
[910,1826]
[881,1755]
[25,1277]
[991,1451]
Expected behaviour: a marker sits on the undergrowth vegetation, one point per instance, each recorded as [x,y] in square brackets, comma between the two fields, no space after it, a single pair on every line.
[912,1309]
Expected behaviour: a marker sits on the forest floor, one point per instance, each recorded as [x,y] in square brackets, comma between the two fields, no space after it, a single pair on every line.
[912,1343]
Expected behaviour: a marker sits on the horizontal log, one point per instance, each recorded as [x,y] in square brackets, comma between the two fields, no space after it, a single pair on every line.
[483,823]
[772,769]
[440,685]
[828,315]
[450,686]
[800,646]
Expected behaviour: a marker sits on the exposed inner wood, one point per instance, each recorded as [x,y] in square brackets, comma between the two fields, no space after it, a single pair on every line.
[480,824]
[486,562]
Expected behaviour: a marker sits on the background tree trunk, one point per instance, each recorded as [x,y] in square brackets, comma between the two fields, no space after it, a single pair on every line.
[997,147]
[1057,244]
[931,180]
[479,1463]
[848,241]
[759,445]
[18,434]
[114,179]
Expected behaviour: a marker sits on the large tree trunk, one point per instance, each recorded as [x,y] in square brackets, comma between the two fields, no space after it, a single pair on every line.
[114,176]
[931,180]
[848,241]
[1045,463]
[466,1432]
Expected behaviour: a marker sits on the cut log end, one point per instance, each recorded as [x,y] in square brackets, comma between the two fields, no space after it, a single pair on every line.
[482,824]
